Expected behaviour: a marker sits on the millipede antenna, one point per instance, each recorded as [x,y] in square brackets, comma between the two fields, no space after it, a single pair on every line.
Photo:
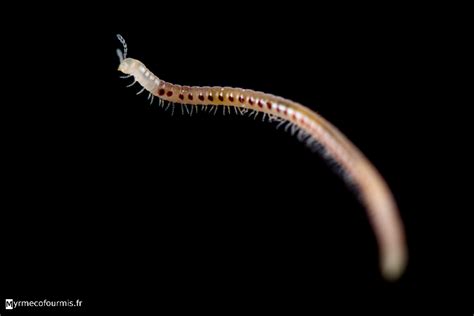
[121,55]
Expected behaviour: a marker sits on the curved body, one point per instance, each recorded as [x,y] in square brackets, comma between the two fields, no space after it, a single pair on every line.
[374,192]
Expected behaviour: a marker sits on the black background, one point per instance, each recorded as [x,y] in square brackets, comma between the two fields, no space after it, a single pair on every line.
[113,201]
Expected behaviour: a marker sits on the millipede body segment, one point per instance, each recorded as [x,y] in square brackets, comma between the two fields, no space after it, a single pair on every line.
[374,192]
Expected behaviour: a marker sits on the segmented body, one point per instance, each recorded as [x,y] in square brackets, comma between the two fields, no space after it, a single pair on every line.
[374,192]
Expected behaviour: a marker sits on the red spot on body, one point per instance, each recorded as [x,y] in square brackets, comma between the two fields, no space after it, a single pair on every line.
[221,97]
[169,93]
[269,105]
[241,99]
[201,97]
[161,91]
[190,96]
[231,98]
[251,101]
[260,103]
[210,97]
[181,96]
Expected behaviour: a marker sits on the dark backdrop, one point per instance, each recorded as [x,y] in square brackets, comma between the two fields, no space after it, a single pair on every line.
[116,202]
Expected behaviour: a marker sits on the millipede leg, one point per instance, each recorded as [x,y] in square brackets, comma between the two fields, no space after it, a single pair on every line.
[143,89]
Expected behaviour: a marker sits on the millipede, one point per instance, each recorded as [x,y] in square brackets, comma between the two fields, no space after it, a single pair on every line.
[311,128]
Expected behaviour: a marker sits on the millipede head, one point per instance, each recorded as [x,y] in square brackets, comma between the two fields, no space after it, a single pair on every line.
[129,66]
